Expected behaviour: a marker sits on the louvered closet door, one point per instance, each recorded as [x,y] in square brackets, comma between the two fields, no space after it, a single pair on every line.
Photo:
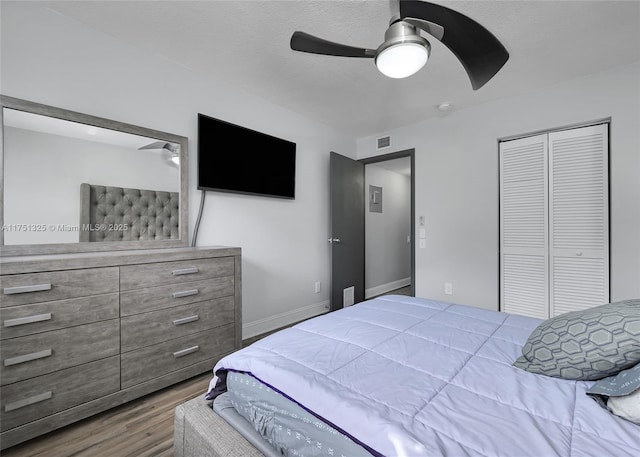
[523,226]
[579,230]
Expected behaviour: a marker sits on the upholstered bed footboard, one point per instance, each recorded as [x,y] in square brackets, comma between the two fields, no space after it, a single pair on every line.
[201,432]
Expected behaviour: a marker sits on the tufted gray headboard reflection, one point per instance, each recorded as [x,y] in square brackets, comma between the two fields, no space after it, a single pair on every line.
[121,214]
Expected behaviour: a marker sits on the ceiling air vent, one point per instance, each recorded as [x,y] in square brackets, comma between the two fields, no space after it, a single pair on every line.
[383,142]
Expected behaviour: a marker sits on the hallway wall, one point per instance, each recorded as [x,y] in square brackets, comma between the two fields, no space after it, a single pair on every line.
[387,246]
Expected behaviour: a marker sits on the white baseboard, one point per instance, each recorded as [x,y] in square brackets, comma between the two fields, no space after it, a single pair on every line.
[384,288]
[267,324]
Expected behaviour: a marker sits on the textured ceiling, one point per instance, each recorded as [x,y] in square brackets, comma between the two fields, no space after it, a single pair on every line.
[246,43]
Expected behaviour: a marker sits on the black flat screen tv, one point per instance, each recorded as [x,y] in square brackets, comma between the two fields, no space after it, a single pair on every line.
[236,159]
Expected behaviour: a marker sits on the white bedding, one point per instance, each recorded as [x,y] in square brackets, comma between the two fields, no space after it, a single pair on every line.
[413,377]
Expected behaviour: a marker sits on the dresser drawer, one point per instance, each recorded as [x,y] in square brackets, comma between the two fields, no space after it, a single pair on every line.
[155,298]
[165,273]
[57,285]
[41,317]
[153,361]
[146,329]
[29,356]
[35,398]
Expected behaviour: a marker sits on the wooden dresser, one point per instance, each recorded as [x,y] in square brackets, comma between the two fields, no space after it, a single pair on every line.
[81,333]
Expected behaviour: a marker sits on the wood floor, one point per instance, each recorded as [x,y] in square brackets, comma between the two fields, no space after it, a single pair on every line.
[141,428]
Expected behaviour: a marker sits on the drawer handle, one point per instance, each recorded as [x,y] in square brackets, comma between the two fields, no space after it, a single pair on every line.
[27,320]
[185,293]
[186,320]
[27,401]
[185,271]
[25,289]
[27,357]
[187,351]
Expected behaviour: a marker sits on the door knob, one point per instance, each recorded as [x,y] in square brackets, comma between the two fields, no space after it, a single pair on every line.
[334,240]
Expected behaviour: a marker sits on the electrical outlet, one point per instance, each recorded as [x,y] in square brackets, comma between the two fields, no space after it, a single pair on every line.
[318,286]
[448,288]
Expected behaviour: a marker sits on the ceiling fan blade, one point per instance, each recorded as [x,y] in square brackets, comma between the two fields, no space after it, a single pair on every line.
[304,42]
[172,147]
[477,49]
[154,145]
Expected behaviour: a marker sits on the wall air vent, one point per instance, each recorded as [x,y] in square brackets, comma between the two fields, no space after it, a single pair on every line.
[348,296]
[384,142]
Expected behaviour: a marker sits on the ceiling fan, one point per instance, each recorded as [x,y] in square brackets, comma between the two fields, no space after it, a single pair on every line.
[404,51]
[171,147]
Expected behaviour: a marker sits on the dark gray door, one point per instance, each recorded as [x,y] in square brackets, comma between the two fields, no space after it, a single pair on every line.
[347,226]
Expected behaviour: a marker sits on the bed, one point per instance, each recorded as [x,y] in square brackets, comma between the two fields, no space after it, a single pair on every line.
[398,376]
[109,213]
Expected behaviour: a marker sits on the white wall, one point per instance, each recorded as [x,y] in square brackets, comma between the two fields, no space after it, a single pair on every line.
[387,253]
[50,59]
[456,168]
[53,60]
[34,163]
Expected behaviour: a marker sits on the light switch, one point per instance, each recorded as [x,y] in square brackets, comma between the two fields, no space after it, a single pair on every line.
[422,233]
[422,243]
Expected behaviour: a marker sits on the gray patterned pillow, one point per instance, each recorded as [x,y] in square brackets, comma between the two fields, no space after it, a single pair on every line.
[585,345]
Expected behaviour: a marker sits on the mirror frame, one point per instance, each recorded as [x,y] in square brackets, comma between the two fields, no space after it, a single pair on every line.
[99,246]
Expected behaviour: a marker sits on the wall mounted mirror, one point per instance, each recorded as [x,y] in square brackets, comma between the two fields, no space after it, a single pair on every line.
[72,182]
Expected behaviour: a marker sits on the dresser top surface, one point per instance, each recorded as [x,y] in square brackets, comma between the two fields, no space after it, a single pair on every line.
[52,262]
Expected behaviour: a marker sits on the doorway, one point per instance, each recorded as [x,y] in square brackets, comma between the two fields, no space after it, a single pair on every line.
[389,224]
[348,202]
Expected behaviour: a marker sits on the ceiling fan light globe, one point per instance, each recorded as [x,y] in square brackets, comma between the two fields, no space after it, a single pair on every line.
[402,59]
